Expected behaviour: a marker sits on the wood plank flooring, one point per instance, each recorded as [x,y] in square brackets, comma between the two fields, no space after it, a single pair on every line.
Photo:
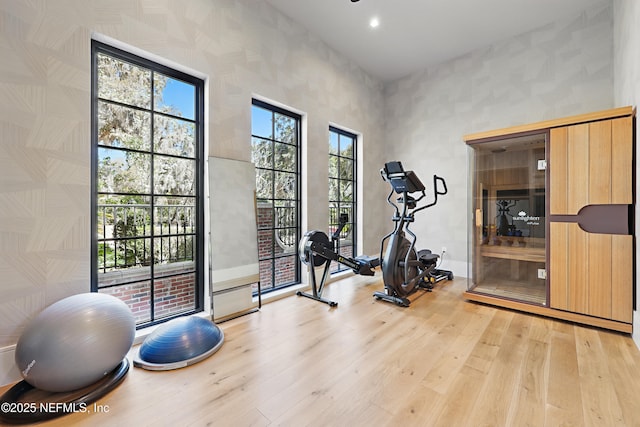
[441,362]
[535,293]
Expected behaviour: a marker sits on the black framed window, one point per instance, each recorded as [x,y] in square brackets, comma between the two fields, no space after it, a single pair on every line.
[342,191]
[275,143]
[147,209]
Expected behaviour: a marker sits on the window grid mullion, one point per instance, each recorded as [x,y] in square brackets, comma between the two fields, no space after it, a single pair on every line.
[340,182]
[191,231]
[283,226]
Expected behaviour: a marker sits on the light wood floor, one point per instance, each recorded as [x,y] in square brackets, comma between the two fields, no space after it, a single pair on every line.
[442,361]
[535,293]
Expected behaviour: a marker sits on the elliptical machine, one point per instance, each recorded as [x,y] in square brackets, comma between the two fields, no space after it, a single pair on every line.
[403,269]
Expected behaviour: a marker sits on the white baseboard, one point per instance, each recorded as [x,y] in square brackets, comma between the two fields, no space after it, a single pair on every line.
[8,371]
[460,269]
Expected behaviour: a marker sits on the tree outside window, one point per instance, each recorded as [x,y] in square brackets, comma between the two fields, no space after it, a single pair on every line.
[342,185]
[148,192]
[275,136]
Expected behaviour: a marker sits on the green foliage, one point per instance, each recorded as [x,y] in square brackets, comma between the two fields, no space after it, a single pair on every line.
[127,133]
[341,180]
[279,155]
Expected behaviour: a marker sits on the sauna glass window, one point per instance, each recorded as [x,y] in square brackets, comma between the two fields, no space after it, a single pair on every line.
[508,232]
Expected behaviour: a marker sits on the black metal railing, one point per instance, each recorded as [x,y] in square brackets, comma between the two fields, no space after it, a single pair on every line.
[285,227]
[334,220]
[126,237]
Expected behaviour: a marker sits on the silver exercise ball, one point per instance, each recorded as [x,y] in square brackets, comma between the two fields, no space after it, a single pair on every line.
[75,342]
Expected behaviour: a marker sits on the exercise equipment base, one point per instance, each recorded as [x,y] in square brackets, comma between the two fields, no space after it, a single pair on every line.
[317,298]
[433,277]
[49,405]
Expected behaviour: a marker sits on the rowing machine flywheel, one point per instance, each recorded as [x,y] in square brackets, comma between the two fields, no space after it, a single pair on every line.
[310,237]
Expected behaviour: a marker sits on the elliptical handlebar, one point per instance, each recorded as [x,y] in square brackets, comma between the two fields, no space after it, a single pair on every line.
[406,182]
[436,192]
[437,178]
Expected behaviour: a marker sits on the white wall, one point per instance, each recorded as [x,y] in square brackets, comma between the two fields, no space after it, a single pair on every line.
[243,48]
[627,92]
[561,69]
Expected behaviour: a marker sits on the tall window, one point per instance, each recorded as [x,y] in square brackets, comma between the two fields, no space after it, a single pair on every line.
[147,209]
[342,190]
[275,139]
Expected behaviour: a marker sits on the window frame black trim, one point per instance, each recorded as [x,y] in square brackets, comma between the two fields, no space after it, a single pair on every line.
[198,120]
[354,219]
[298,197]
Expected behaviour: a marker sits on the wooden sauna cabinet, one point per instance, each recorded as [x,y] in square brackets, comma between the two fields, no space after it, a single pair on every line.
[552,228]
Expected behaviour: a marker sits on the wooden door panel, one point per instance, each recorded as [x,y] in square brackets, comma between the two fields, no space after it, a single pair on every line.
[578,258]
[622,161]
[599,173]
[591,273]
[622,278]
[558,266]
[599,275]
[591,164]
[558,175]
[577,168]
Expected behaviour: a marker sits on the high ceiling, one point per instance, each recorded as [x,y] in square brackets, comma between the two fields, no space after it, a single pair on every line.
[414,34]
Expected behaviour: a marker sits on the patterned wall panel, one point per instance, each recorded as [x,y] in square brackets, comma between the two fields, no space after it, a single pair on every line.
[561,69]
[243,47]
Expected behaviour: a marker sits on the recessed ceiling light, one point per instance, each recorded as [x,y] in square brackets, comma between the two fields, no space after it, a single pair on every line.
[374,22]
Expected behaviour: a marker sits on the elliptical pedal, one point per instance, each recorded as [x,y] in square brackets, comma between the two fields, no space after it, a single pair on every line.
[427,258]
